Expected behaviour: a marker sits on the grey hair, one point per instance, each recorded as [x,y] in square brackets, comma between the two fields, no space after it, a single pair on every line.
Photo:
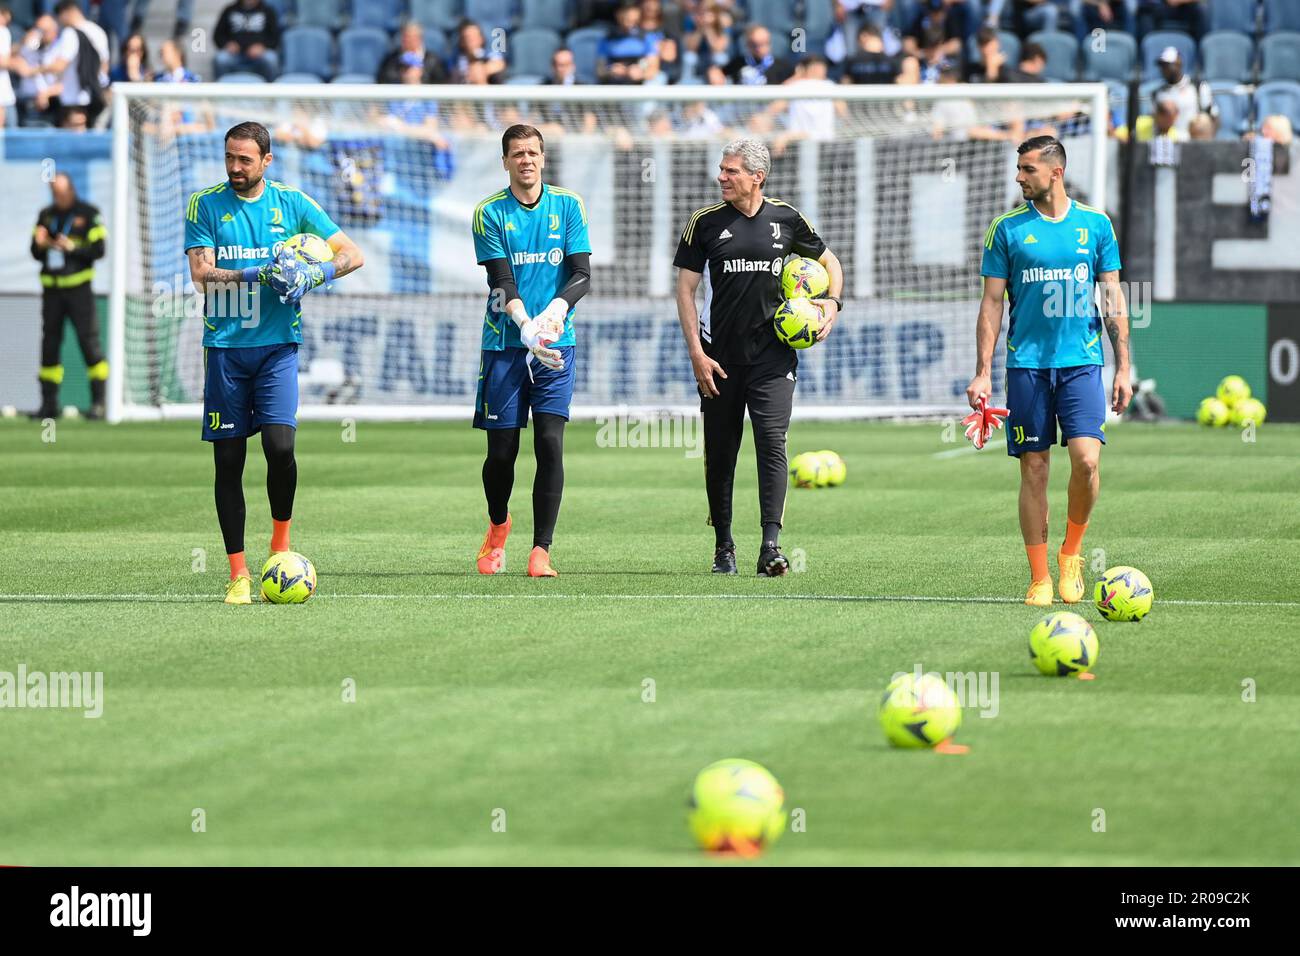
[753,155]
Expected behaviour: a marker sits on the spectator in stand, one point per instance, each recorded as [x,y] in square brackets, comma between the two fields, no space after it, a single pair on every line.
[950,18]
[809,119]
[1192,98]
[173,69]
[417,118]
[7,98]
[133,64]
[394,66]
[1089,15]
[870,63]
[665,42]
[958,119]
[560,118]
[627,54]
[1026,16]
[710,44]
[1033,61]
[992,62]
[1185,15]
[840,44]
[700,122]
[472,61]
[933,56]
[77,72]
[36,107]
[247,36]
[756,65]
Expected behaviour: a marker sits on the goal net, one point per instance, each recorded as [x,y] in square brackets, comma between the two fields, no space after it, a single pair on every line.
[901,182]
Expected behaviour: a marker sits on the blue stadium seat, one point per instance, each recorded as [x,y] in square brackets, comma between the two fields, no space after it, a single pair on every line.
[1227,55]
[437,14]
[1233,102]
[1062,53]
[326,14]
[781,44]
[530,50]
[1280,96]
[306,50]
[776,15]
[491,14]
[362,49]
[1279,55]
[584,42]
[238,76]
[1281,15]
[1235,15]
[547,15]
[436,41]
[1116,59]
[1156,41]
[380,14]
[524,79]
[819,21]
[298,78]
[353,79]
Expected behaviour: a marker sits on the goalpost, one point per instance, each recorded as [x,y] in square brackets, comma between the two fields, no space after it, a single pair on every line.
[901,182]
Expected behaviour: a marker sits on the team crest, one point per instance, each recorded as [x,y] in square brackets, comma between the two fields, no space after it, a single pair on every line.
[555,222]
[1083,236]
[276,218]
[776,230]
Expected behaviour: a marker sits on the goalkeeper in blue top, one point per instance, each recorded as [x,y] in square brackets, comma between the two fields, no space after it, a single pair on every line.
[252,289]
[1049,257]
[532,239]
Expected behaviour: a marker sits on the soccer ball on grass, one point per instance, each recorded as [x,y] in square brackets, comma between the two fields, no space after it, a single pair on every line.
[920,712]
[736,806]
[1123,594]
[1063,643]
[288,578]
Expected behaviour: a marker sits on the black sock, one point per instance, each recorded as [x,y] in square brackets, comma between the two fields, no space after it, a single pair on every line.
[281,469]
[771,532]
[548,485]
[228,454]
[499,471]
[722,535]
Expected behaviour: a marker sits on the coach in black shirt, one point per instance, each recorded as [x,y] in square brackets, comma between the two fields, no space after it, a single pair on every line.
[738,247]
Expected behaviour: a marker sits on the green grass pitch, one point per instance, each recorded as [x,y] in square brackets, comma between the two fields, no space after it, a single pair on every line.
[478,695]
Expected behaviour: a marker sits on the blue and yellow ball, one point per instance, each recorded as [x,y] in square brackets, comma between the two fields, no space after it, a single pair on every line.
[288,578]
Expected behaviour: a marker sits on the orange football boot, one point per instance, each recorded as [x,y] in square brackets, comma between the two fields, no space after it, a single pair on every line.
[539,564]
[492,556]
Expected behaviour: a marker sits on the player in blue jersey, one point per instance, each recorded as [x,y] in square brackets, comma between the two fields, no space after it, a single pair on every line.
[253,327]
[532,239]
[1048,257]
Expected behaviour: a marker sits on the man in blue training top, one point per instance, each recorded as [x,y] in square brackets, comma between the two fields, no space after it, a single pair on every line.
[532,240]
[252,327]
[1047,256]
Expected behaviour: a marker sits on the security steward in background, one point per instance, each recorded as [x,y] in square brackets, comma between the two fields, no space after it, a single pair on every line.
[68,238]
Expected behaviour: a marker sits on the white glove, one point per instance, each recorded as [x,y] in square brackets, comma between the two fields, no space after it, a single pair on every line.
[537,339]
[551,319]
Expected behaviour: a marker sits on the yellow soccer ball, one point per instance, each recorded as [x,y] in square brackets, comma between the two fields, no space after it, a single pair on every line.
[919,713]
[288,578]
[836,470]
[1123,594]
[309,248]
[1212,412]
[1233,389]
[1249,410]
[1063,643]
[809,471]
[804,279]
[736,806]
[797,322]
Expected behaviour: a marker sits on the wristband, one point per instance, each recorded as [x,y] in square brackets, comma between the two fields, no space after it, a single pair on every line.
[328,272]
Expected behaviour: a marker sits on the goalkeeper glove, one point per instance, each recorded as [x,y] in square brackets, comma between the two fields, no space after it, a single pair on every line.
[537,339]
[981,422]
[552,318]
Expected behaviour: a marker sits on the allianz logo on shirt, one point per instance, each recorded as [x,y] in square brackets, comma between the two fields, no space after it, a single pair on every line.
[752,265]
[243,252]
[554,257]
[1079,274]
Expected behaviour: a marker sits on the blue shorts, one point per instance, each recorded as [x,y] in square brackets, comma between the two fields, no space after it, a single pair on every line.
[244,389]
[511,381]
[1040,397]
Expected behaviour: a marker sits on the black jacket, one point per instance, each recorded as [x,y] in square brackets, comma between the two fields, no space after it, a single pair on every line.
[390,70]
[85,227]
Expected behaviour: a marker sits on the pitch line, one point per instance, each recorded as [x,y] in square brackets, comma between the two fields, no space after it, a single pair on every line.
[210,597]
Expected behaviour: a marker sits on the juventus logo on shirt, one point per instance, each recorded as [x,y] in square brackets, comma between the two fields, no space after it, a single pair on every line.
[776,230]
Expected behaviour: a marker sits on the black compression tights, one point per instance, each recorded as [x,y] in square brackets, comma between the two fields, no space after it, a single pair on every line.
[548,485]
[281,480]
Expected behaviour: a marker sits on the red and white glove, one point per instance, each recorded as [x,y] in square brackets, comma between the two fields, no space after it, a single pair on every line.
[981,422]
